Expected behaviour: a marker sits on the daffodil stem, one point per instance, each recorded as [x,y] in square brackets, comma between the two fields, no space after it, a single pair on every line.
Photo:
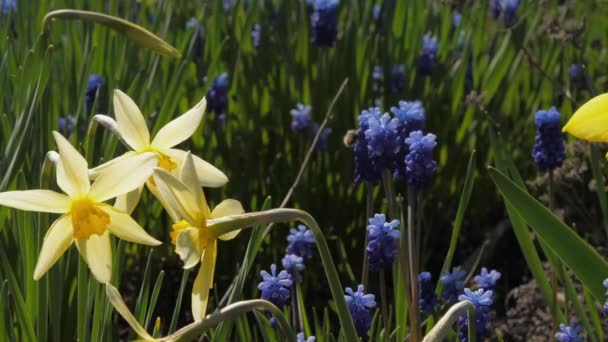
[226,224]
[551,194]
[413,256]
[444,325]
[384,304]
[368,214]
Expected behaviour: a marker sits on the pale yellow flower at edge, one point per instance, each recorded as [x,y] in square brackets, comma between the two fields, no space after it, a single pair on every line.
[590,121]
[85,218]
[185,198]
[134,132]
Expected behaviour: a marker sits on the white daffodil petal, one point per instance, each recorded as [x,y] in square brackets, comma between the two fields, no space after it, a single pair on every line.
[117,302]
[128,202]
[188,247]
[57,240]
[204,282]
[188,176]
[97,253]
[208,175]
[96,171]
[177,196]
[154,190]
[131,122]
[72,169]
[46,201]
[126,228]
[123,176]
[181,128]
[226,208]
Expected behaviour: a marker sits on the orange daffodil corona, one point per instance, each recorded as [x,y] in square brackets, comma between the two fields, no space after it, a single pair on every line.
[590,121]
[188,208]
[133,131]
[85,219]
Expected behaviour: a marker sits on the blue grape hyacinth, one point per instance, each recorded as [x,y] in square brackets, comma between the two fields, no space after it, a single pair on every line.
[8,5]
[302,338]
[382,246]
[487,280]
[606,304]
[301,241]
[301,118]
[549,151]
[377,78]
[66,125]
[360,306]
[292,262]
[275,287]
[383,140]
[321,145]
[508,9]
[453,283]
[569,333]
[324,22]
[256,35]
[428,56]
[217,96]
[93,84]
[426,291]
[481,300]
[420,166]
[365,168]
[411,115]
[397,79]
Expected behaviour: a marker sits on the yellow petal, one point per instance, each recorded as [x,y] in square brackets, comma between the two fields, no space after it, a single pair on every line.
[188,246]
[590,121]
[128,202]
[97,253]
[114,297]
[125,227]
[131,123]
[96,171]
[57,240]
[188,176]
[226,208]
[72,169]
[208,175]
[123,176]
[181,128]
[46,201]
[177,196]
[204,282]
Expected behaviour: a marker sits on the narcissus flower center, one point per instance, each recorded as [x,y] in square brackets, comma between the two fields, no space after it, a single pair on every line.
[178,227]
[88,219]
[164,161]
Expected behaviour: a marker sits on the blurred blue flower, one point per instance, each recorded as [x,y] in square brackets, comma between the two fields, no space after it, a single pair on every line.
[377,78]
[94,83]
[426,291]
[360,305]
[66,125]
[301,118]
[397,79]
[199,36]
[508,9]
[302,338]
[383,140]
[420,166]
[292,263]
[365,168]
[428,56]
[549,152]
[569,333]
[191,23]
[229,4]
[453,283]
[275,287]
[376,11]
[382,246]
[606,304]
[576,73]
[324,22]
[487,280]
[322,142]
[217,96]
[456,19]
[256,35]
[8,5]
[481,300]
[300,241]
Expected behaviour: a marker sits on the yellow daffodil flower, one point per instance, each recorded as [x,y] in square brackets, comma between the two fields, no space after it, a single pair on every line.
[186,204]
[133,132]
[590,121]
[85,218]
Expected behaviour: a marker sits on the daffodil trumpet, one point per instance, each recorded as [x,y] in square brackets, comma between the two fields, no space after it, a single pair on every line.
[131,129]
[86,219]
[590,121]
[190,331]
